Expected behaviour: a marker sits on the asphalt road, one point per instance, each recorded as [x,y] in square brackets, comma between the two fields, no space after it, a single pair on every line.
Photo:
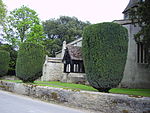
[11,103]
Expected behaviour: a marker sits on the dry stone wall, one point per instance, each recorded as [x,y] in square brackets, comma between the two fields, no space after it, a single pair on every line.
[100,102]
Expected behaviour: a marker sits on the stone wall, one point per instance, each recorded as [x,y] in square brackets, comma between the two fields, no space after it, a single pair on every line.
[74,78]
[79,78]
[100,102]
[9,78]
[52,69]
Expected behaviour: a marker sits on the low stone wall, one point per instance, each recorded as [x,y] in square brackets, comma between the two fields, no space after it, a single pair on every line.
[74,78]
[100,102]
[9,78]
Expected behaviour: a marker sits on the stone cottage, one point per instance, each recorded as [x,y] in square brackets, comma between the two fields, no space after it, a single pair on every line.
[136,73]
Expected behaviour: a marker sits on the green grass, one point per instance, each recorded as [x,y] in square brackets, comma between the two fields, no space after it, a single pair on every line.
[67,85]
[136,92]
[60,85]
[16,81]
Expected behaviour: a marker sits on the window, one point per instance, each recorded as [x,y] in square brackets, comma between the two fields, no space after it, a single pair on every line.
[77,67]
[141,53]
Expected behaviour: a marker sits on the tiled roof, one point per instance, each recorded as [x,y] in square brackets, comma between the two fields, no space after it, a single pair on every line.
[74,52]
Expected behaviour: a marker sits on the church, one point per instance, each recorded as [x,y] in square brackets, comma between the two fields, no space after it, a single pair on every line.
[68,65]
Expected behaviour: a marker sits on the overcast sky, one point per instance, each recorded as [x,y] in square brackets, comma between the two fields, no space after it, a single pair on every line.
[95,11]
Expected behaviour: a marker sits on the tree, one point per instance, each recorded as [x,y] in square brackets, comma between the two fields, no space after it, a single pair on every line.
[2,16]
[52,46]
[141,16]
[36,35]
[4,62]
[23,25]
[62,29]
[104,50]
[30,62]
[13,57]
[2,12]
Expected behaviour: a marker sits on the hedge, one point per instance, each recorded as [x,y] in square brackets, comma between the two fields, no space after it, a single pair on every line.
[29,62]
[104,53]
[4,62]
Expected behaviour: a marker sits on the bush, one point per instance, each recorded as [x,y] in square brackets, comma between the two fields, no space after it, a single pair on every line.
[4,62]
[104,53]
[29,62]
[13,57]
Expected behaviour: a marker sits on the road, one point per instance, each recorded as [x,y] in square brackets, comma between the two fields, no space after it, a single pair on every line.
[11,103]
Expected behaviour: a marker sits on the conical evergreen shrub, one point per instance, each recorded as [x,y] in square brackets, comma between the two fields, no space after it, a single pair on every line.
[29,62]
[104,53]
[4,62]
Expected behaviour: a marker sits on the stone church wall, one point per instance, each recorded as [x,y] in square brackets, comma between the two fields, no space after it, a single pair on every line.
[136,75]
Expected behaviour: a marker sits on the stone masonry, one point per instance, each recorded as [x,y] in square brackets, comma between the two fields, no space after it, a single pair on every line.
[99,102]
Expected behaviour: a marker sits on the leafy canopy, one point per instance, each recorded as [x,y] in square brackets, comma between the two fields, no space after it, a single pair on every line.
[2,12]
[23,25]
[62,29]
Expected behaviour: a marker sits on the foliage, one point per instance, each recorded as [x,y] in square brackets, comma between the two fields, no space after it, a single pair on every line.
[13,57]
[104,53]
[141,16]
[29,62]
[62,29]
[23,25]
[2,12]
[36,35]
[4,62]
[52,46]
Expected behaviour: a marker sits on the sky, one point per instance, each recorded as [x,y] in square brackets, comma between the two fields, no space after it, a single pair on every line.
[94,11]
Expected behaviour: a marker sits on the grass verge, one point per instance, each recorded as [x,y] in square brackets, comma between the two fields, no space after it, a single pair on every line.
[136,92]
[66,85]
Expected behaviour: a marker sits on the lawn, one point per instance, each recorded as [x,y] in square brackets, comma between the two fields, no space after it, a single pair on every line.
[66,85]
[136,92]
[78,87]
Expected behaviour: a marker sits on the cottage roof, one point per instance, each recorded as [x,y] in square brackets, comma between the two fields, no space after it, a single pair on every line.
[132,3]
[75,41]
[74,52]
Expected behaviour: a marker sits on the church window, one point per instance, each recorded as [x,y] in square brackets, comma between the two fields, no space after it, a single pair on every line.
[141,53]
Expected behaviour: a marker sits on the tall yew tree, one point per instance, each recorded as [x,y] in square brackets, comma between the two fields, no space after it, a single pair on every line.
[104,50]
